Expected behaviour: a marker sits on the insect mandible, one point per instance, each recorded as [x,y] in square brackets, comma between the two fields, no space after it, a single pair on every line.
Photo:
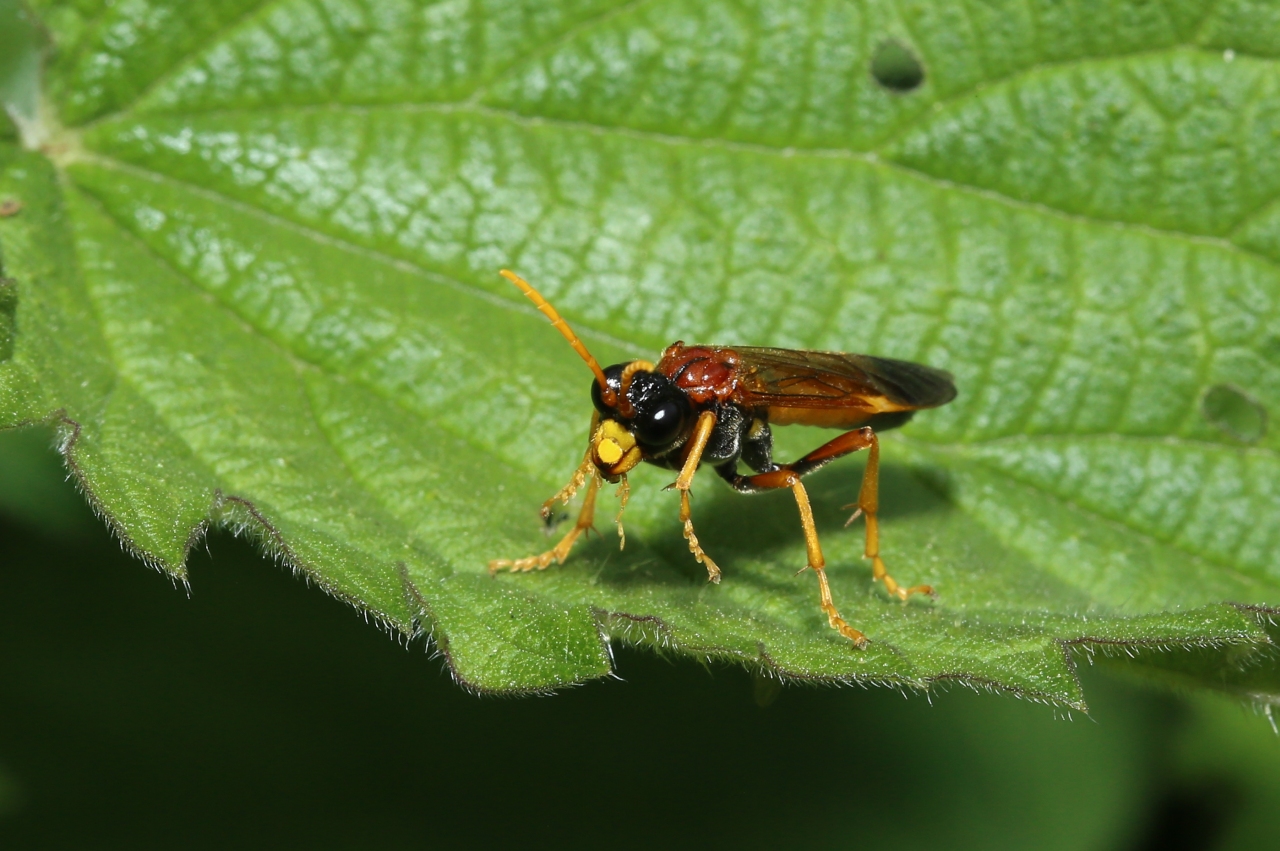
[715,404]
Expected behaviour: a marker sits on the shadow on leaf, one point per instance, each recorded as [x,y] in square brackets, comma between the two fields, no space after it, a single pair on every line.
[736,528]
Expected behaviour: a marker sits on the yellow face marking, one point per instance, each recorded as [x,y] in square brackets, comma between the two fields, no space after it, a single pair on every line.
[609,451]
[614,449]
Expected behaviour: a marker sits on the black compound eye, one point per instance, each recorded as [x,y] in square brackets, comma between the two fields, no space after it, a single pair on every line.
[661,420]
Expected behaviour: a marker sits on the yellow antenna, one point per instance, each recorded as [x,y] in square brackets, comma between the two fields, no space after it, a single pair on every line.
[606,393]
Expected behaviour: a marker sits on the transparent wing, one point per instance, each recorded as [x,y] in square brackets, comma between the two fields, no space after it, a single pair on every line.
[788,378]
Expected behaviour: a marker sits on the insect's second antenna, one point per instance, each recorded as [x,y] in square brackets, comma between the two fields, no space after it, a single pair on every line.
[606,393]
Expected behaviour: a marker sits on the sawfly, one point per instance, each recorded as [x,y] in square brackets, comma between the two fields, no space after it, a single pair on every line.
[716,405]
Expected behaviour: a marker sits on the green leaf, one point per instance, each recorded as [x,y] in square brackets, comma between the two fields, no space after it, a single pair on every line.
[256,285]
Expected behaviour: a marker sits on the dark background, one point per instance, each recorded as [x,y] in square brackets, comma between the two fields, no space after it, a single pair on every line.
[260,712]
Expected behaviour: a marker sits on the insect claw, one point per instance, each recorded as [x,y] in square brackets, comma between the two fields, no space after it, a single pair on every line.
[926,590]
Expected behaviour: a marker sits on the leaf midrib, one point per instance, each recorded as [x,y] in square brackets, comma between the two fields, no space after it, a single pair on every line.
[584,328]
[869,158]
[589,330]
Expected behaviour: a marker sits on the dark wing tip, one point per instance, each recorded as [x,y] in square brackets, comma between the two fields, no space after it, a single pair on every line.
[911,383]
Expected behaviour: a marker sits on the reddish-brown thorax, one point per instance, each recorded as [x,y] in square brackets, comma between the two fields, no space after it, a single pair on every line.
[703,372]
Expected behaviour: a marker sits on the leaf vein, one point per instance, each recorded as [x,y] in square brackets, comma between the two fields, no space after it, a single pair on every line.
[167,74]
[1119,523]
[476,292]
[502,74]
[870,159]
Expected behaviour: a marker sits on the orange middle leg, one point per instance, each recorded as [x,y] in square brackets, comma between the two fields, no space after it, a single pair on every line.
[868,495]
[869,506]
[818,564]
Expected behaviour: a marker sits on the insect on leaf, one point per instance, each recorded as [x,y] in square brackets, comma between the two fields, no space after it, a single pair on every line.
[255,284]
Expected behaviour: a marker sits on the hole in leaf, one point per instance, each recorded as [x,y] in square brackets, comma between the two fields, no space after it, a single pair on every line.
[895,67]
[1234,412]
